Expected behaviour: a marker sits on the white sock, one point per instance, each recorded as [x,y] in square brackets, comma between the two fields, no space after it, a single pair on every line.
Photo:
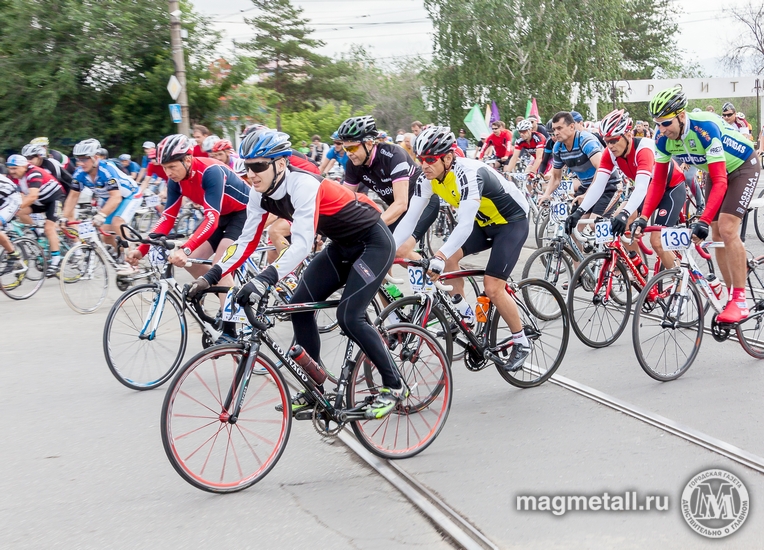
[520,338]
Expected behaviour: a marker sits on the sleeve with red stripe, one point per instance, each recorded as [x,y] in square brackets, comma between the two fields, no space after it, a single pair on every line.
[718,173]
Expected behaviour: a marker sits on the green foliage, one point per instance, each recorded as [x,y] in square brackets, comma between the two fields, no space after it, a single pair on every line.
[323,121]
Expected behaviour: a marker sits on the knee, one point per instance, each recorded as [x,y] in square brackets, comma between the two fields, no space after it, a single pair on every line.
[494,288]
[655,240]
[728,229]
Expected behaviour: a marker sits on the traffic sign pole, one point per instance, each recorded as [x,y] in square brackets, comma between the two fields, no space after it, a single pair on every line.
[180,66]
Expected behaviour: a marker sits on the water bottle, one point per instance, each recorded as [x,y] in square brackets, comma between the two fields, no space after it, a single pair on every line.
[716,285]
[464,309]
[638,263]
[393,291]
[482,307]
[314,370]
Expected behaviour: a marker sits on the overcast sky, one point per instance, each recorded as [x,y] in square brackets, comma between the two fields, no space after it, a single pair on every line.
[392,28]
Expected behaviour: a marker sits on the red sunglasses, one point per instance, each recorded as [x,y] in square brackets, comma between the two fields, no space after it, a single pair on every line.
[430,159]
[613,141]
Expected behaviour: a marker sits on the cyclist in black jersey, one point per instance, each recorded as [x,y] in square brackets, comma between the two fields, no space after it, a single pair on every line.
[37,156]
[386,169]
[65,162]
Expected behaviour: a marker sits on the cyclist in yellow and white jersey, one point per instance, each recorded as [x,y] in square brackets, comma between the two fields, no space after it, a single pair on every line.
[492,213]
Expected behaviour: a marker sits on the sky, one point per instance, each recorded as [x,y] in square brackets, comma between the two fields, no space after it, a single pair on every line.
[394,28]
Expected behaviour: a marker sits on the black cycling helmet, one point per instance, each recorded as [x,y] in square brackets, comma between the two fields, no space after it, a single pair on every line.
[252,128]
[434,141]
[549,125]
[728,106]
[358,128]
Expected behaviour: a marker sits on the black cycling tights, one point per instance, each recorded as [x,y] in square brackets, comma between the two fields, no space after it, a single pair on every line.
[361,267]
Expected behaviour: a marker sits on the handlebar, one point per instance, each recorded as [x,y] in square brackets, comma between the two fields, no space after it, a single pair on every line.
[155,239]
[424,264]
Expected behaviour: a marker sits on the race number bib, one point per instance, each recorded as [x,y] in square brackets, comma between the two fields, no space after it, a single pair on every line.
[86,231]
[563,190]
[157,256]
[232,311]
[152,201]
[419,281]
[602,232]
[558,211]
[675,238]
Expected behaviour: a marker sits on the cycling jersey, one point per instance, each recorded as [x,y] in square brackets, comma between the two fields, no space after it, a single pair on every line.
[502,144]
[341,158]
[301,161]
[58,172]
[536,143]
[198,152]
[37,178]
[211,185]
[709,144]
[63,160]
[130,168]
[108,178]
[389,164]
[578,160]
[546,159]
[10,200]
[478,192]
[637,164]
[311,204]
[155,170]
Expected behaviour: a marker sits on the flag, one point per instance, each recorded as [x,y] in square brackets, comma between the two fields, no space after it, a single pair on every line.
[488,115]
[532,109]
[494,113]
[476,124]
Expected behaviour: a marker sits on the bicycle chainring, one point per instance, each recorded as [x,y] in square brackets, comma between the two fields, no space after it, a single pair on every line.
[323,426]
[123,283]
[473,362]
[719,332]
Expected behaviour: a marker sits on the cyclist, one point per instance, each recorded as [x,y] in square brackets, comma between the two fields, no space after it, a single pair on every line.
[129,166]
[200,133]
[43,194]
[299,159]
[501,141]
[386,169]
[147,146]
[223,196]
[732,118]
[703,140]
[223,151]
[358,256]
[118,194]
[530,141]
[635,157]
[10,201]
[335,155]
[58,156]
[492,213]
[37,155]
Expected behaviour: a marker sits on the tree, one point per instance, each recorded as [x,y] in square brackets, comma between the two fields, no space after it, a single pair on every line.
[646,34]
[322,121]
[284,54]
[748,46]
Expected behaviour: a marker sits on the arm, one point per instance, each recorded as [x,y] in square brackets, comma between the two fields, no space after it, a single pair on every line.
[655,189]
[325,165]
[70,203]
[534,168]
[213,185]
[141,175]
[645,167]
[597,187]
[29,198]
[554,183]
[245,245]
[417,204]
[167,221]
[400,201]
[468,209]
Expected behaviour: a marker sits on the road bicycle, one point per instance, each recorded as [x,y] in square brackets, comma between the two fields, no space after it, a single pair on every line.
[226,417]
[542,310]
[21,279]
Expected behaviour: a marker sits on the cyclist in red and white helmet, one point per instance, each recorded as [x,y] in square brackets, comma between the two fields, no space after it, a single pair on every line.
[223,151]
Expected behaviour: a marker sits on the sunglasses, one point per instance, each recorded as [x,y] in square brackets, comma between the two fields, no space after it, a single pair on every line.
[728,114]
[338,143]
[429,159]
[494,127]
[613,141]
[82,159]
[665,123]
[258,167]
[351,148]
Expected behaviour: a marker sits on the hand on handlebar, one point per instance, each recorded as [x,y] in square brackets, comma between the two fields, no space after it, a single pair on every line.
[638,227]
[133,257]
[178,258]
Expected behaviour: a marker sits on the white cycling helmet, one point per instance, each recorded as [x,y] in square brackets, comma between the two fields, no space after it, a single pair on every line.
[149,145]
[33,150]
[17,160]
[616,124]
[524,125]
[86,148]
[124,156]
[40,141]
[209,142]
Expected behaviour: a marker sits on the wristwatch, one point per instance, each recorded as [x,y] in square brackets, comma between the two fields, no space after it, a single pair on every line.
[186,251]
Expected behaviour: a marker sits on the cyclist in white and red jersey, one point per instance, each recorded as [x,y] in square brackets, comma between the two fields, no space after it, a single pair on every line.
[635,157]
[358,257]
[530,141]
[223,151]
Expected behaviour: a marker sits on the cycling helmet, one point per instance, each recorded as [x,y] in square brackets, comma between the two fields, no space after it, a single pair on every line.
[549,125]
[17,160]
[335,136]
[149,145]
[615,124]
[740,115]
[434,141]
[358,128]
[382,135]
[696,110]
[265,143]
[728,106]
[209,142]
[32,150]
[174,147]
[669,102]
[86,148]
[151,153]
[40,141]
[222,145]
[524,125]
[252,128]
[103,152]
[124,156]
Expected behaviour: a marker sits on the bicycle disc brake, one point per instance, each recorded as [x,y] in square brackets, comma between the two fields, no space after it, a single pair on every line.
[719,332]
[324,426]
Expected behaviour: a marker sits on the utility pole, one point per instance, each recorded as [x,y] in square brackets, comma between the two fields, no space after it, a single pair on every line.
[180,65]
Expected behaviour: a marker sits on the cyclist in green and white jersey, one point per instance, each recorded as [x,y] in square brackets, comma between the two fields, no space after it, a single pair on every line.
[704,140]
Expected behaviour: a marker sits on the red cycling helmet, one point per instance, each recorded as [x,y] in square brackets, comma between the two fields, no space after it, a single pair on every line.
[616,124]
[223,145]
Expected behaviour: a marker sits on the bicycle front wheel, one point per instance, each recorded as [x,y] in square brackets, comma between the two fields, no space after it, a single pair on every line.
[208,450]
[547,326]
[84,278]
[750,332]
[415,423]
[668,327]
[550,265]
[22,278]
[411,309]
[144,337]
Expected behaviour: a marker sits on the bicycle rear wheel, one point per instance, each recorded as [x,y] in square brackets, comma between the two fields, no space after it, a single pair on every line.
[207,450]
[547,326]
[550,265]
[138,357]
[751,331]
[84,278]
[418,419]
[667,329]
[20,282]
[599,318]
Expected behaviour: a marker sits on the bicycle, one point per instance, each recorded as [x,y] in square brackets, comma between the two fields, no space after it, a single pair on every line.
[13,277]
[440,230]
[222,436]
[543,314]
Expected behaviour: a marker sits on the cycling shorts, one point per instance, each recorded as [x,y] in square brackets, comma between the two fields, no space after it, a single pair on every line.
[126,209]
[505,241]
[741,184]
[10,207]
[49,207]
[428,217]
[229,226]
[670,207]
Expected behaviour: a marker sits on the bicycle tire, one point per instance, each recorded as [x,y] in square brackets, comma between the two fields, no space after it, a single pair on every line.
[540,232]
[549,265]
[660,296]
[207,398]
[33,259]
[438,324]
[84,263]
[153,372]
[588,312]
[426,407]
[750,332]
[758,225]
[548,336]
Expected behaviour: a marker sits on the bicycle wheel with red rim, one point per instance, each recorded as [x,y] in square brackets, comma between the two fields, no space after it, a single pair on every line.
[415,423]
[203,445]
